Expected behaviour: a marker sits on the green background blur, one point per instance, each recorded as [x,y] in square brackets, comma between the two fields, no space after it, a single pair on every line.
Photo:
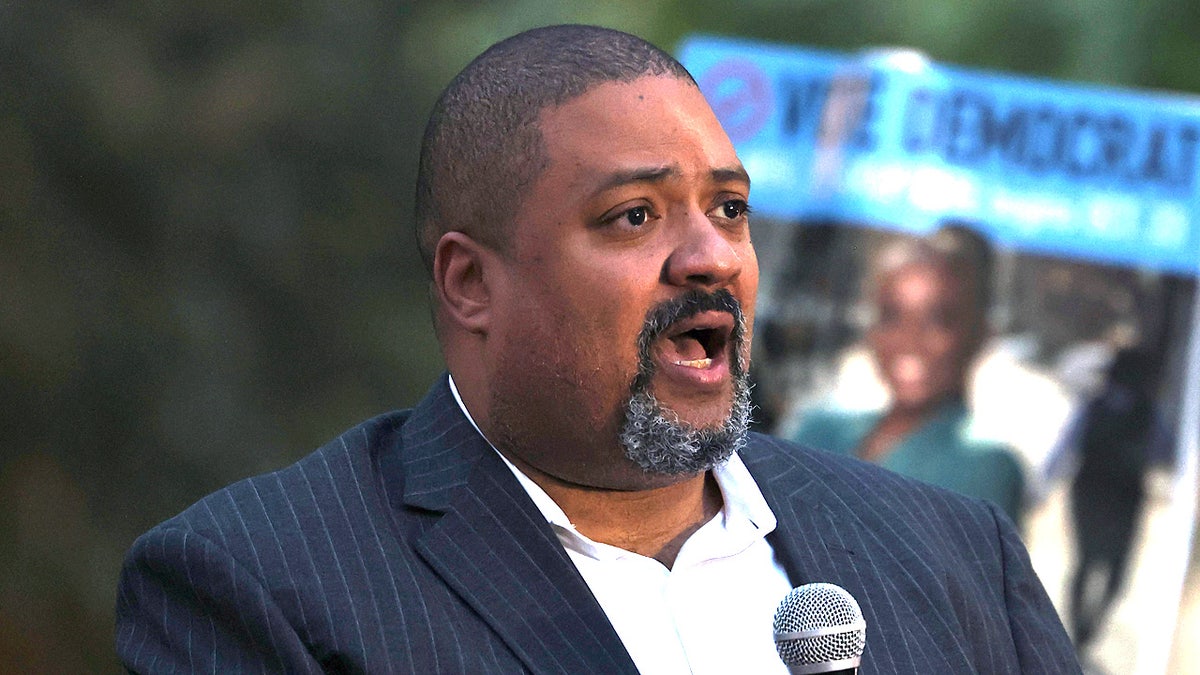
[206,260]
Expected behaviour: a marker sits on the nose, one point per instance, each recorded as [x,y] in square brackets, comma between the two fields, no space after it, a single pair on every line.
[907,339]
[705,255]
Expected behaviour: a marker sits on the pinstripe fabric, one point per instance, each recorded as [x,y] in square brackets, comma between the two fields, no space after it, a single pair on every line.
[943,580]
[407,546]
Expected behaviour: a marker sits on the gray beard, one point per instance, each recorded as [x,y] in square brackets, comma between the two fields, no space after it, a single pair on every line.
[656,440]
[653,436]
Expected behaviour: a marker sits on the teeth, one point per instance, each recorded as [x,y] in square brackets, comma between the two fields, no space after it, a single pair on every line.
[695,363]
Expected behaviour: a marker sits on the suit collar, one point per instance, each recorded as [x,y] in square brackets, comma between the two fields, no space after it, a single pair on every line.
[492,546]
[801,509]
[439,449]
[837,524]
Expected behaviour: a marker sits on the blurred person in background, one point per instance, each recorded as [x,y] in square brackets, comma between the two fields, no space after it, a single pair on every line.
[930,297]
[1114,438]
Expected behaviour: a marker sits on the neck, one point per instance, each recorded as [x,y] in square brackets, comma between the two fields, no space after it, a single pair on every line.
[896,424]
[654,522]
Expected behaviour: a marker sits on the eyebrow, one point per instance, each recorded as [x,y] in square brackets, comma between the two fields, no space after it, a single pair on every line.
[736,173]
[659,174]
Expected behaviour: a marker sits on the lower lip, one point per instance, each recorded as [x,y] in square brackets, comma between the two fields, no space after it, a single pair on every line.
[712,377]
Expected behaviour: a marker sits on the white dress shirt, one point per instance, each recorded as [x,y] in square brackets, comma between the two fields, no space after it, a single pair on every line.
[712,611]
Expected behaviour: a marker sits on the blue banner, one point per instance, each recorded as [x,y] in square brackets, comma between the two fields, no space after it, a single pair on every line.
[889,139]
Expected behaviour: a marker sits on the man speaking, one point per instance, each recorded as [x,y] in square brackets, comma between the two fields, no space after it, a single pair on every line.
[579,494]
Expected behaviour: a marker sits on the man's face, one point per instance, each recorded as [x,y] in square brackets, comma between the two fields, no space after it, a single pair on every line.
[925,335]
[641,208]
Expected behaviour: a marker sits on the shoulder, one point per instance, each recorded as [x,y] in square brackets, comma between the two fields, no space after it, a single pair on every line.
[876,497]
[863,480]
[988,462]
[833,429]
[347,459]
[818,416]
[329,486]
[251,572]
[814,463]
[914,554]
[996,457]
[984,454]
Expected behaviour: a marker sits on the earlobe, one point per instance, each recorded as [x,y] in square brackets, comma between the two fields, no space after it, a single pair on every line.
[459,274]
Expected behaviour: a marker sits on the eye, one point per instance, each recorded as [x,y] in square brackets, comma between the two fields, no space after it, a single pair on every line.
[637,216]
[888,314]
[629,219]
[734,209]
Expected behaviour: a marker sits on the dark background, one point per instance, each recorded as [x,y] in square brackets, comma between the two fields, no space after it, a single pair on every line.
[206,260]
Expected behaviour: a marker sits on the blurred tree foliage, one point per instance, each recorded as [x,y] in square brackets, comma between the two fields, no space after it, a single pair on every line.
[206,258]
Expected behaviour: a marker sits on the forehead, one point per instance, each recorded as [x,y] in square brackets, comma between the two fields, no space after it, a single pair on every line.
[654,120]
[923,279]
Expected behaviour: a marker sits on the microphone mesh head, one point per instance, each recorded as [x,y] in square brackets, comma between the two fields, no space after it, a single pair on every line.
[828,609]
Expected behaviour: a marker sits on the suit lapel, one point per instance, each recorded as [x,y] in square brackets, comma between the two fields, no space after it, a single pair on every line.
[805,537]
[497,552]
[822,537]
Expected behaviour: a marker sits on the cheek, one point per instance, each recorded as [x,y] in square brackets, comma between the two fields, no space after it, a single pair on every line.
[749,301]
[885,342]
[593,328]
[950,359]
[605,298]
[942,345]
[551,360]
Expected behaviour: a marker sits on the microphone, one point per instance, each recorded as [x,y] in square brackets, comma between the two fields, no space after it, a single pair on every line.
[819,628]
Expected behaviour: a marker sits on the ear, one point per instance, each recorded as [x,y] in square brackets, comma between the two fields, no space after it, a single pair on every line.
[460,266]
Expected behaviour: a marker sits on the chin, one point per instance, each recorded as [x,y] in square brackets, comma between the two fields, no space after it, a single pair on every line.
[705,411]
[702,422]
[670,442]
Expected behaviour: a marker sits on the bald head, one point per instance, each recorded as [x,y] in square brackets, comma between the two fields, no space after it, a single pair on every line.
[482,147]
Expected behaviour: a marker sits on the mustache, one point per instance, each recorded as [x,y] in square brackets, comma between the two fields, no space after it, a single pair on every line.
[666,314]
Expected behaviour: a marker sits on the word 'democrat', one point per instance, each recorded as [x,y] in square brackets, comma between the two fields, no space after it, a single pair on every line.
[964,126]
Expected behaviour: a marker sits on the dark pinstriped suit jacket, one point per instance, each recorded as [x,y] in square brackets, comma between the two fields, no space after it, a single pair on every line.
[407,546]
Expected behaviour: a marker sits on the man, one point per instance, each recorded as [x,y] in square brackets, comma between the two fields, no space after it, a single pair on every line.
[580,493]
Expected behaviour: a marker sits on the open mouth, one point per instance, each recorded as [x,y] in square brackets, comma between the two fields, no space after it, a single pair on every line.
[699,342]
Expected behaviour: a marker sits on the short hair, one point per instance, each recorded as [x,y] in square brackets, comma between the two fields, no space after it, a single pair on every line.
[482,145]
[971,253]
[960,250]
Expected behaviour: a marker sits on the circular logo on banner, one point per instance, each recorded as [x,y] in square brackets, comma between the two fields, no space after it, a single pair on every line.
[740,95]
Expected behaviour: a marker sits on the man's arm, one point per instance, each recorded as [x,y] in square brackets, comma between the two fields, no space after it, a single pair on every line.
[185,605]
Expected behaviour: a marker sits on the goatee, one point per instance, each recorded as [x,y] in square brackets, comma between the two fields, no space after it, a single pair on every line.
[653,436]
